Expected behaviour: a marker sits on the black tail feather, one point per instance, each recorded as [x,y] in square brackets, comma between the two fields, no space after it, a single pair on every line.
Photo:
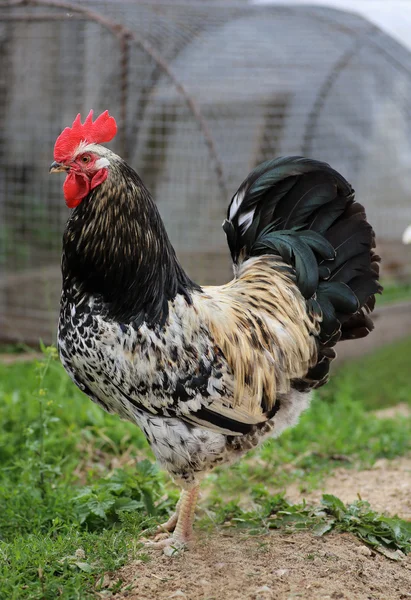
[304,211]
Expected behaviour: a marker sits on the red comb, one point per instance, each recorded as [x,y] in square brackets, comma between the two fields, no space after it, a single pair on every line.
[102,130]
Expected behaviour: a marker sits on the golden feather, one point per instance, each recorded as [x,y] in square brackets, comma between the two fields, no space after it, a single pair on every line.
[260,322]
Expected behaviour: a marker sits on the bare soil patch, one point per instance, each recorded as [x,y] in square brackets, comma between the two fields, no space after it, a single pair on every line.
[386,486]
[228,565]
[392,412]
[271,567]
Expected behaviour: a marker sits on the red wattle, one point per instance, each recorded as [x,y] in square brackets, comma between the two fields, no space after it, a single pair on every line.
[76,187]
[98,178]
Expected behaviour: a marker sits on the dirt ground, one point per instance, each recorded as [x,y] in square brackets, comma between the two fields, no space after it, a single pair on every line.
[271,567]
[387,487]
[227,565]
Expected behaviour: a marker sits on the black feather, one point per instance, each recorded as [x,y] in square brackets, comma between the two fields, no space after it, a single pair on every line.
[304,212]
[327,215]
[305,198]
[340,295]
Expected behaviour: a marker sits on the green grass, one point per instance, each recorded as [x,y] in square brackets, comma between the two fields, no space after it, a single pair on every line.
[54,502]
[394,292]
[376,381]
[390,536]
[78,486]
[18,348]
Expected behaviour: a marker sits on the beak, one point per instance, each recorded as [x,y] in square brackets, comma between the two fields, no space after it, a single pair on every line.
[56,167]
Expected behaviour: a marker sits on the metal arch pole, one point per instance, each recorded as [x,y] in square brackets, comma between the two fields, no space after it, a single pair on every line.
[126,35]
[323,93]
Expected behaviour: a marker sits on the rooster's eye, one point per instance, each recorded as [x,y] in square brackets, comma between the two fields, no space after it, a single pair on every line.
[85,159]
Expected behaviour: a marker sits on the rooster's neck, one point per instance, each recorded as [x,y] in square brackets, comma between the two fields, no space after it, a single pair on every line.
[115,246]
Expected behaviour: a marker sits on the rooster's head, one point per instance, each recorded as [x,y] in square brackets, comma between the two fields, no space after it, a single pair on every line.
[77,153]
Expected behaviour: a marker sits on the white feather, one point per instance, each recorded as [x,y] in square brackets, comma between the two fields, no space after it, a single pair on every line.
[246,219]
[236,203]
[406,236]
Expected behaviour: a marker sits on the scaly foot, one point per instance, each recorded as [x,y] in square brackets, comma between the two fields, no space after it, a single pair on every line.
[182,521]
[170,545]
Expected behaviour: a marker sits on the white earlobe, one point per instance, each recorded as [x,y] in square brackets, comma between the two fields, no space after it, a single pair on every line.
[102,162]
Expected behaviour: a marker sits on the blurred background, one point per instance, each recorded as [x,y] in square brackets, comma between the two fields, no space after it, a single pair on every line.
[202,91]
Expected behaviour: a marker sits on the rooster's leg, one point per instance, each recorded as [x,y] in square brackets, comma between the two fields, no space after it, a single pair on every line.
[169,525]
[184,528]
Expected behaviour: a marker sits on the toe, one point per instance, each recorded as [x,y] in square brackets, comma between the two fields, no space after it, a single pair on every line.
[170,545]
[158,545]
[169,525]
[162,535]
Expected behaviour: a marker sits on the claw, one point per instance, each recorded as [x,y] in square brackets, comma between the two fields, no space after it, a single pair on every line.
[162,535]
[169,546]
[182,524]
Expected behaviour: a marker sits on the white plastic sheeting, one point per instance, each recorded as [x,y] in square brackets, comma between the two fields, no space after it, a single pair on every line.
[392,16]
[285,80]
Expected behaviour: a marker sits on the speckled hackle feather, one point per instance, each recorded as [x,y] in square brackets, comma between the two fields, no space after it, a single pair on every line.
[210,372]
[102,130]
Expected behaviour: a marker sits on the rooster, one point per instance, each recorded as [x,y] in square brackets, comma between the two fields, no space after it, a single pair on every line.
[207,373]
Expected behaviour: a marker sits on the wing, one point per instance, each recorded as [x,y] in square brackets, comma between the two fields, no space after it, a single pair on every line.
[222,361]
